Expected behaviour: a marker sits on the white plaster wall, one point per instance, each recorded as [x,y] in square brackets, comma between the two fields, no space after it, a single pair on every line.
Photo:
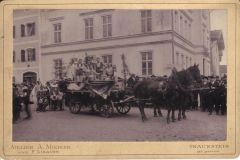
[124,22]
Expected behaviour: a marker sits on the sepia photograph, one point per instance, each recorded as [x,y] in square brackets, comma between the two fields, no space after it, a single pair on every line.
[119,75]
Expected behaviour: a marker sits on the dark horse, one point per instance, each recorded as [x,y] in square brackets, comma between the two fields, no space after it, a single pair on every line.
[179,90]
[150,90]
[172,92]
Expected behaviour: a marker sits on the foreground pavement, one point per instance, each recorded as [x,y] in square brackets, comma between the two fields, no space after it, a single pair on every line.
[87,126]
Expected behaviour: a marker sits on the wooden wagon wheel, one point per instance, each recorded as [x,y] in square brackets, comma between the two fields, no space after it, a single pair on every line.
[106,110]
[75,108]
[123,108]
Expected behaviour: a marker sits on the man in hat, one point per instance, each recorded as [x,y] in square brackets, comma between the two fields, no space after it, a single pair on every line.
[217,93]
[26,101]
[214,84]
[204,93]
[131,81]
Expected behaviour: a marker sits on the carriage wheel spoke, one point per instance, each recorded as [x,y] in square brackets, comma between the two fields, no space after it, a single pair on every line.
[123,108]
[75,108]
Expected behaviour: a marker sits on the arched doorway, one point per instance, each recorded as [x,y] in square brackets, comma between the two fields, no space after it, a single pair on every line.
[30,77]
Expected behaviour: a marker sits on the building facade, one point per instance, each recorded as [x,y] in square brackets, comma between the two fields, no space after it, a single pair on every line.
[153,41]
[223,70]
[217,47]
[26,45]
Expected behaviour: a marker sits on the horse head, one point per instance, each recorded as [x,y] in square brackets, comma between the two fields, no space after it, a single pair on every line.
[195,73]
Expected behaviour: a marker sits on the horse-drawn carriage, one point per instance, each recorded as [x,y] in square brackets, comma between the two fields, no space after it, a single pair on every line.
[100,96]
[173,93]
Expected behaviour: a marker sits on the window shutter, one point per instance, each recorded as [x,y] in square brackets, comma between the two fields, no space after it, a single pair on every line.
[33,29]
[22,30]
[22,55]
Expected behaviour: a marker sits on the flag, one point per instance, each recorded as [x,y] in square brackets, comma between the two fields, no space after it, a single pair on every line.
[101,88]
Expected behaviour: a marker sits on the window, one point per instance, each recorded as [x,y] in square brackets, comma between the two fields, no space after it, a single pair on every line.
[57,32]
[13,56]
[23,56]
[190,32]
[190,61]
[181,25]
[177,58]
[146,19]
[22,30]
[58,68]
[203,66]
[186,29]
[107,26]
[182,65]
[28,55]
[176,21]
[13,31]
[203,37]
[187,65]
[107,59]
[207,43]
[146,63]
[30,29]
[31,54]
[89,28]
[176,16]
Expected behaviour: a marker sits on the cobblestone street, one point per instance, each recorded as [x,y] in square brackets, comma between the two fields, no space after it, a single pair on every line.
[87,126]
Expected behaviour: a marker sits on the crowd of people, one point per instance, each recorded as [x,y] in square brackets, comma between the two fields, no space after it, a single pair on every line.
[42,96]
[89,68]
[209,96]
[214,94]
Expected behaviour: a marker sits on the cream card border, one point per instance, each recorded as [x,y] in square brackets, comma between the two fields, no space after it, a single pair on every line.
[178,149]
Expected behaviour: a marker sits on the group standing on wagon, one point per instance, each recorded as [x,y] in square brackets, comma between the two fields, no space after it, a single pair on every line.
[91,68]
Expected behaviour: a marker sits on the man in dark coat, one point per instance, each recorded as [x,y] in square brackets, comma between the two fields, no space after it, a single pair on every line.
[26,101]
[217,94]
[204,94]
[222,97]
[213,95]
[16,104]
[131,81]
